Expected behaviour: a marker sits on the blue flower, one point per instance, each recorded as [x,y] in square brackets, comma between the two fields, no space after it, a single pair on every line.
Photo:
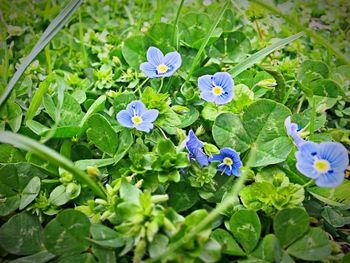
[325,162]
[217,88]
[159,65]
[137,116]
[195,149]
[230,162]
[293,130]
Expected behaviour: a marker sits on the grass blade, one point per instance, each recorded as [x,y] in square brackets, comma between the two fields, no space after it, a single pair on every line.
[205,42]
[51,156]
[48,34]
[316,37]
[258,56]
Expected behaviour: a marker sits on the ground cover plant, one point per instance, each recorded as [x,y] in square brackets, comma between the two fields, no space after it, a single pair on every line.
[174,131]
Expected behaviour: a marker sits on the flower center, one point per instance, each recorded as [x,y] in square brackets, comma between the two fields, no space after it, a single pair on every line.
[136,120]
[228,161]
[162,68]
[322,166]
[217,90]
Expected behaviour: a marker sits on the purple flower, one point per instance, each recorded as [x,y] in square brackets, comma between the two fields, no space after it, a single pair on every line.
[159,65]
[292,130]
[137,116]
[325,162]
[230,162]
[195,149]
[217,88]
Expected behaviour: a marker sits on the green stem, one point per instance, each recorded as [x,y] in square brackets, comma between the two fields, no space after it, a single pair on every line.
[308,183]
[161,85]
[175,42]
[140,86]
[205,42]
[51,156]
[316,37]
[312,117]
[48,59]
[81,37]
[139,22]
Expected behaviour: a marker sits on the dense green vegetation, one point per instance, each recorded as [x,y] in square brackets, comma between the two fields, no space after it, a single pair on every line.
[174,131]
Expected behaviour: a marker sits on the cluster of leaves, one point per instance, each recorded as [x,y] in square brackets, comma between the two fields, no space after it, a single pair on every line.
[153,197]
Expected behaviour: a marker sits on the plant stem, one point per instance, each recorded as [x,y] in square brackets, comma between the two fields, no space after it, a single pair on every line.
[312,117]
[140,86]
[48,59]
[81,38]
[161,85]
[316,37]
[175,42]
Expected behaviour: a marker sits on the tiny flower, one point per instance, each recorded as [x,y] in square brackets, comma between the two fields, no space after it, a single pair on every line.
[230,162]
[292,130]
[159,65]
[325,162]
[137,116]
[195,149]
[217,88]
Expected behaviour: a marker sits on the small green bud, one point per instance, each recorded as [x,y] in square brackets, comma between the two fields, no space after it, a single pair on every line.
[209,149]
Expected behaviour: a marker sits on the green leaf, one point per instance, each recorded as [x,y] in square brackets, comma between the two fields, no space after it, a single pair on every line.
[67,234]
[11,114]
[188,118]
[335,217]
[30,192]
[261,54]
[311,70]
[9,154]
[125,142]
[58,196]
[193,29]
[14,178]
[313,246]
[182,196]
[246,228]
[51,156]
[102,134]
[106,237]
[97,106]
[21,235]
[339,196]
[40,257]
[71,113]
[130,193]
[229,246]
[232,47]
[161,35]
[261,129]
[157,246]
[134,50]
[267,248]
[290,224]
[54,27]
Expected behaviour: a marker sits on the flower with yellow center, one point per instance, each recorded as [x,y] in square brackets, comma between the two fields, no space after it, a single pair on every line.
[162,68]
[228,161]
[217,90]
[322,166]
[136,120]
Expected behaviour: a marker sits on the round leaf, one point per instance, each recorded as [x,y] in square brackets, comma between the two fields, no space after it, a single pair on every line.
[245,226]
[67,233]
[290,224]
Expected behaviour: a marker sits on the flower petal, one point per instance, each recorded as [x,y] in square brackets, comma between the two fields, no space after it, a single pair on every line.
[136,108]
[149,70]
[150,115]
[208,96]
[225,98]
[173,60]
[307,152]
[201,157]
[205,83]
[329,180]
[193,143]
[155,56]
[144,126]
[224,80]
[124,119]
[306,168]
[335,153]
